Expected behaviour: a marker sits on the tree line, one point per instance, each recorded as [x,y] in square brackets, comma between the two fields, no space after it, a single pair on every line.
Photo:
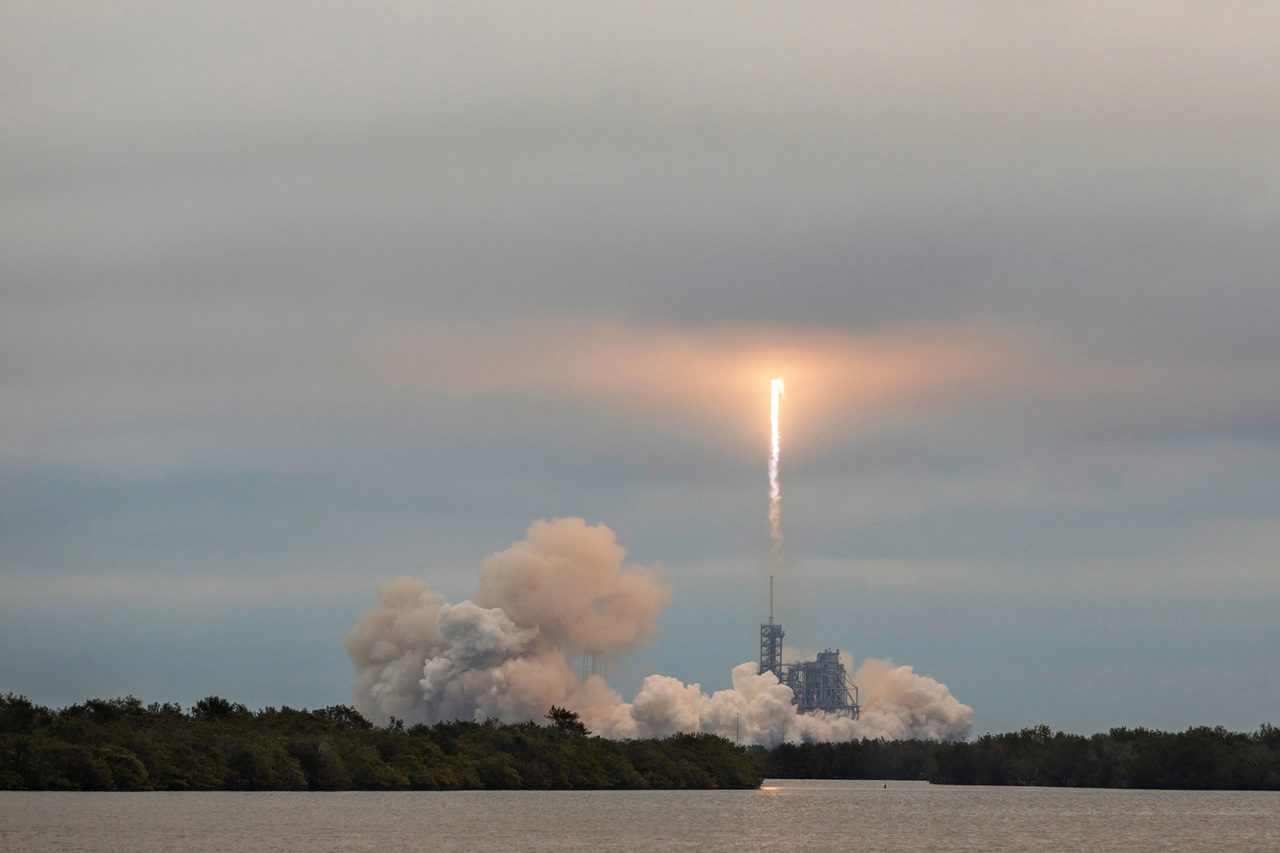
[1199,758]
[122,745]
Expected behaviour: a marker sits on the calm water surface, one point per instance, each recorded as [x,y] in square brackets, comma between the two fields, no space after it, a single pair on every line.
[785,815]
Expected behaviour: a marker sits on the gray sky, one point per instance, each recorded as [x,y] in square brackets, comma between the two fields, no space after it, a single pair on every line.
[298,298]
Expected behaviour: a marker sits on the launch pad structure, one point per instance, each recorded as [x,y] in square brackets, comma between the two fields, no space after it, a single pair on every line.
[816,685]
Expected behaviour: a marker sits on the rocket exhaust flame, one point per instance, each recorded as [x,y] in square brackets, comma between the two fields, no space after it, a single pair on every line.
[778,390]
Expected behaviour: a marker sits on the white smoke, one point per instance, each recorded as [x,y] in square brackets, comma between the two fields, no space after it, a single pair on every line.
[563,592]
[897,704]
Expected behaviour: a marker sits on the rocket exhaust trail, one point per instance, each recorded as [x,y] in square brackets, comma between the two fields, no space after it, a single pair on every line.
[778,390]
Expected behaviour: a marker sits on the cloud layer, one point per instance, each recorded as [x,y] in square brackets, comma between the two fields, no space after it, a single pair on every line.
[294,302]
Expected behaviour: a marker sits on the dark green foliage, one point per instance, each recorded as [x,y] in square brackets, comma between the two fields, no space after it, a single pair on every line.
[1123,758]
[567,722]
[345,715]
[120,745]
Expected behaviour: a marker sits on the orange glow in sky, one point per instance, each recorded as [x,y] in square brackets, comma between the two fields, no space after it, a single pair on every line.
[708,377]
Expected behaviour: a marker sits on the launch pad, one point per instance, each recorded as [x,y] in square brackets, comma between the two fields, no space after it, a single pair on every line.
[816,685]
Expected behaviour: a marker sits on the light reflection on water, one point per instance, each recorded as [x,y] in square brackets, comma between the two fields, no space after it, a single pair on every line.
[783,815]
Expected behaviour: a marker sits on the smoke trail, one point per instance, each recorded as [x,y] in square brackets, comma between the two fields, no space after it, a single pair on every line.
[564,591]
[778,390]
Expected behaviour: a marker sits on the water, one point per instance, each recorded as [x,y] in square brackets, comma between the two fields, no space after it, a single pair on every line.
[784,816]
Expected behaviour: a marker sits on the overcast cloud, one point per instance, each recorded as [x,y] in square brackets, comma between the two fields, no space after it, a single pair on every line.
[298,298]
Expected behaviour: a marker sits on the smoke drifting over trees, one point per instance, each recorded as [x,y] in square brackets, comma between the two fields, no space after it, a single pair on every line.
[562,592]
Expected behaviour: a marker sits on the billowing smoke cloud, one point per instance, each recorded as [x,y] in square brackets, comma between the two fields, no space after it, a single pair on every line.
[563,592]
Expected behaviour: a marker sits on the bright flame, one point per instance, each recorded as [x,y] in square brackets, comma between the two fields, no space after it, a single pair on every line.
[779,390]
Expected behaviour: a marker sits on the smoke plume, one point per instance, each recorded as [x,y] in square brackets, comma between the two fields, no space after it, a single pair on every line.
[563,592]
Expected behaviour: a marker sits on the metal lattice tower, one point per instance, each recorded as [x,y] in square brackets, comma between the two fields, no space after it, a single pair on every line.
[771,642]
[816,685]
[822,685]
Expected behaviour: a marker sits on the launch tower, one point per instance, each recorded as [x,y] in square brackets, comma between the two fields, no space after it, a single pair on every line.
[816,685]
[771,642]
